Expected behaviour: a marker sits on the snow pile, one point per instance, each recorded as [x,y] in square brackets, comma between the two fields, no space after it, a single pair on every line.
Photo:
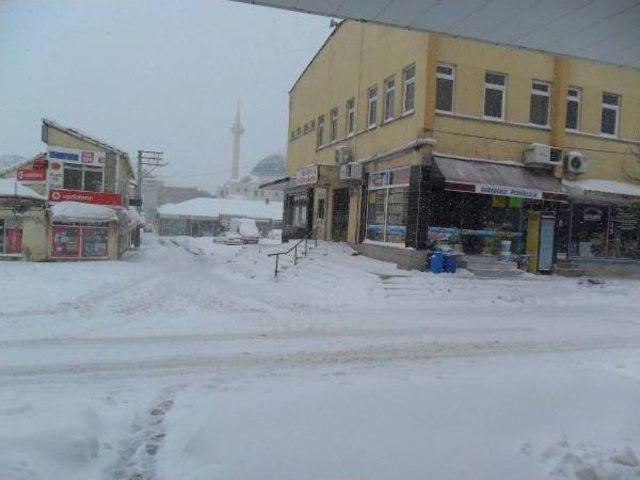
[131,216]
[245,227]
[81,212]
[588,462]
[215,207]
[11,188]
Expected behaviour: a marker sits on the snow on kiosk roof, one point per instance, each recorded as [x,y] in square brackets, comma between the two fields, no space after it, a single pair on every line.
[81,212]
[216,207]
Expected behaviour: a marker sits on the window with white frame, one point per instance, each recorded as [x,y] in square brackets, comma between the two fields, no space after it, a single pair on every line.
[409,86]
[609,124]
[351,116]
[574,95]
[445,84]
[334,124]
[539,106]
[495,87]
[372,110]
[389,98]
[82,177]
[320,132]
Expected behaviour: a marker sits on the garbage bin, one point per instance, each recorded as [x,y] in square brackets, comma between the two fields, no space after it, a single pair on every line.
[437,260]
[449,264]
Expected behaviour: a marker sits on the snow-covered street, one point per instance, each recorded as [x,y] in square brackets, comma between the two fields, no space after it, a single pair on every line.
[188,360]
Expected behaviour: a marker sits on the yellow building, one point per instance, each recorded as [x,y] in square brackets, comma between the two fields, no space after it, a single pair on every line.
[70,203]
[408,139]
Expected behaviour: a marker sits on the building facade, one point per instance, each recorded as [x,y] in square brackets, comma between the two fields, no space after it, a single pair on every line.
[409,139]
[82,205]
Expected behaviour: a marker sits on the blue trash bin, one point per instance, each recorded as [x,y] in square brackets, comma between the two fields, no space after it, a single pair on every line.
[437,260]
[449,263]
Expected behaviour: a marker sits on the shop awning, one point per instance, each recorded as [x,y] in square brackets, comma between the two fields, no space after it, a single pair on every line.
[603,191]
[278,185]
[499,178]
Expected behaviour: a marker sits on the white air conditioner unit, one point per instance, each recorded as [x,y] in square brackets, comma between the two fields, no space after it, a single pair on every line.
[351,171]
[541,155]
[575,162]
[343,155]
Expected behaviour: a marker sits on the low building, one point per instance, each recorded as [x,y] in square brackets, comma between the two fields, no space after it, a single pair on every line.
[82,206]
[400,140]
[212,216]
[266,170]
[22,221]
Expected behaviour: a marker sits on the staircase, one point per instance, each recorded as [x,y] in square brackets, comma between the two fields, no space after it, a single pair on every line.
[568,269]
[489,266]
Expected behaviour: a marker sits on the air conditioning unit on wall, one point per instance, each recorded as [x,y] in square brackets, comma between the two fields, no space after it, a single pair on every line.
[343,155]
[575,162]
[541,155]
[351,171]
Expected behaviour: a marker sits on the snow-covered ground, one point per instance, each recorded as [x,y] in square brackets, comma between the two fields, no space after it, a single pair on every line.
[187,360]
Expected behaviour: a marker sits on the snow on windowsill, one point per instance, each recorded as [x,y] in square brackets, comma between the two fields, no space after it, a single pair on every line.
[387,244]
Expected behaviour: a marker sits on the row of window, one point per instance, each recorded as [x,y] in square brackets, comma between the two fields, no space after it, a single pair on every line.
[495,92]
[388,109]
[494,105]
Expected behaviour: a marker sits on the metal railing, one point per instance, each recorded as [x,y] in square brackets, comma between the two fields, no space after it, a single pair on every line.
[294,249]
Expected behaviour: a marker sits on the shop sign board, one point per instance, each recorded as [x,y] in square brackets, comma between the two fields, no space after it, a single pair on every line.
[74,155]
[97,198]
[31,175]
[379,179]
[55,175]
[307,175]
[509,191]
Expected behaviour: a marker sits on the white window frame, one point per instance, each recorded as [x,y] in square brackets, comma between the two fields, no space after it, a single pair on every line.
[372,100]
[405,84]
[83,169]
[386,189]
[578,99]
[500,88]
[544,92]
[333,133]
[351,117]
[387,91]
[615,108]
[320,132]
[447,76]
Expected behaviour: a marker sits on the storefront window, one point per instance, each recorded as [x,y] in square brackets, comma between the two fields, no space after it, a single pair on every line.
[387,206]
[476,222]
[297,214]
[10,235]
[65,242]
[94,242]
[73,241]
[603,231]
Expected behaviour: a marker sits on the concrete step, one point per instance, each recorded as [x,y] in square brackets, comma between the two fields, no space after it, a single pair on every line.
[568,269]
[488,273]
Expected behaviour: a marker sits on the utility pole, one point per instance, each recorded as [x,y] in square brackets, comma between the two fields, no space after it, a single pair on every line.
[148,161]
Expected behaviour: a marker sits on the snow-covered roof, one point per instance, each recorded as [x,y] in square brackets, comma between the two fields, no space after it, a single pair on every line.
[132,216]
[215,207]
[22,163]
[81,212]
[603,189]
[10,187]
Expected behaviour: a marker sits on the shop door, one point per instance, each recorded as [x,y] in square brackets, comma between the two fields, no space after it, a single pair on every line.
[340,218]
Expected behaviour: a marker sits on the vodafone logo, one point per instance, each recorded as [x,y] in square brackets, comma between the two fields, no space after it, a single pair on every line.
[20,175]
[55,196]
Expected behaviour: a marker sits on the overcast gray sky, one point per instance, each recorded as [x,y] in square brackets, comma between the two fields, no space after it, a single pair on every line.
[154,74]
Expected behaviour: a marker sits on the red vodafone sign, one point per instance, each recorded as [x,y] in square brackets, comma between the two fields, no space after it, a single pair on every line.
[83,196]
[31,175]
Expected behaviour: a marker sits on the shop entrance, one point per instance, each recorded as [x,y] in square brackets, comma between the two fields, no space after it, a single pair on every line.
[340,217]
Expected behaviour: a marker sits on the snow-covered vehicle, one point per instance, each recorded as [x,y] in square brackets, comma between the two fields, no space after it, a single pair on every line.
[241,231]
